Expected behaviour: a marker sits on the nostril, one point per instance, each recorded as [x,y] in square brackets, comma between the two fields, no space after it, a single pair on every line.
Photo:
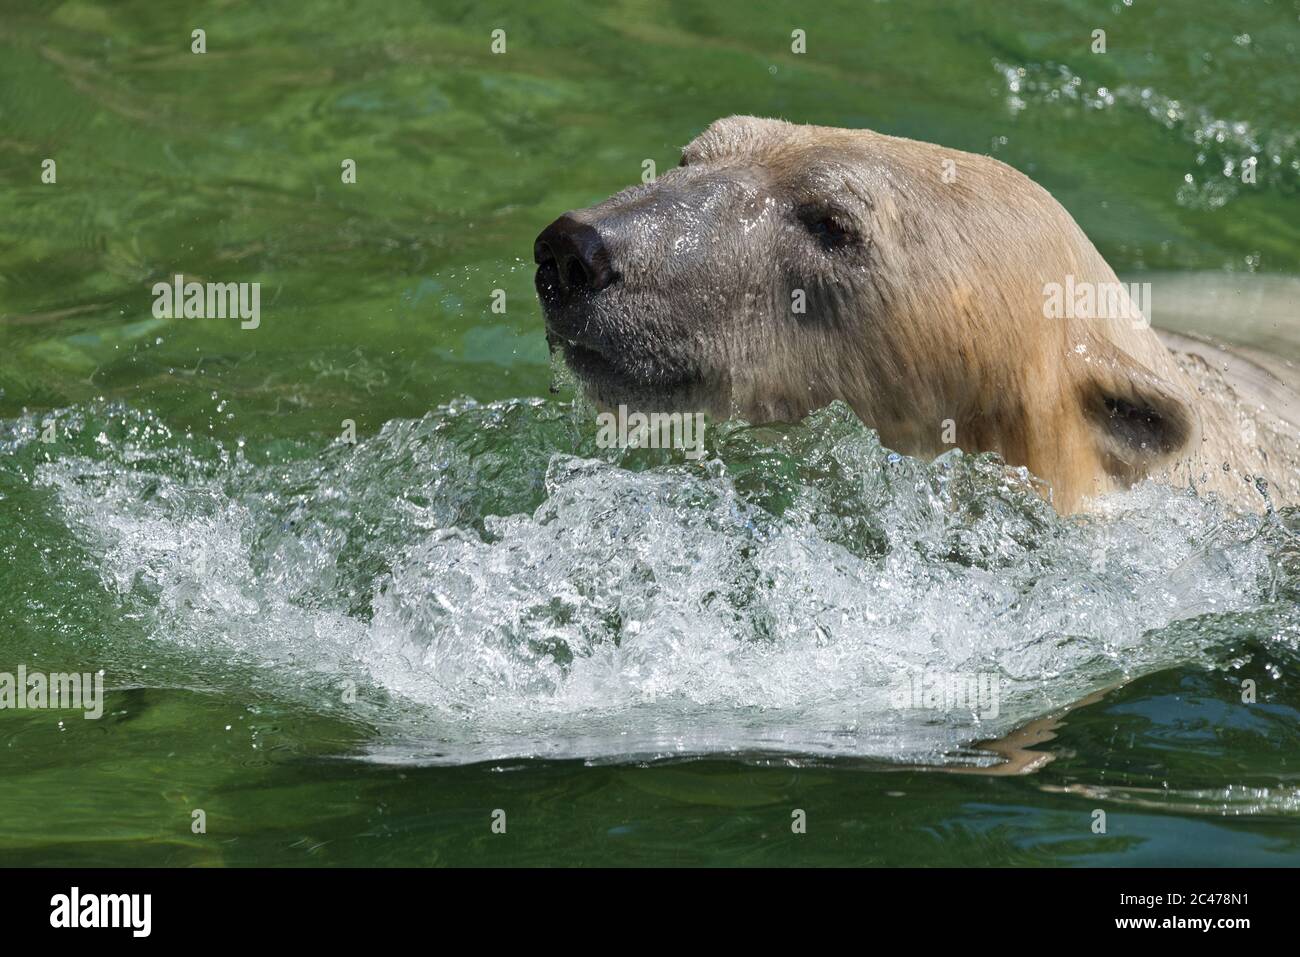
[575,274]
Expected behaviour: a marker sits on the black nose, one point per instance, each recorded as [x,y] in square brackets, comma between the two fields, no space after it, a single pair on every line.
[572,256]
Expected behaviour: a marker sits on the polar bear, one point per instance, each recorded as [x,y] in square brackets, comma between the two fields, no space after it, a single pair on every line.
[944,296]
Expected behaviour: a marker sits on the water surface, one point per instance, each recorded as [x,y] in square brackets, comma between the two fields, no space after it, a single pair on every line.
[354,654]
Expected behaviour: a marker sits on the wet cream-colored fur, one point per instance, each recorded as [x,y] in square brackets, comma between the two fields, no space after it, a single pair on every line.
[923,273]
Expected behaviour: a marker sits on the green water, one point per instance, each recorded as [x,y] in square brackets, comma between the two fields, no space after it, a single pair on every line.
[176,438]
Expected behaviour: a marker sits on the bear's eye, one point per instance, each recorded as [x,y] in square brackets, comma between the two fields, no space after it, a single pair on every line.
[829,228]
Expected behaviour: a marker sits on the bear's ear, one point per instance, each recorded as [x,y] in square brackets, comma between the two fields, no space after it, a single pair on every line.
[1139,420]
